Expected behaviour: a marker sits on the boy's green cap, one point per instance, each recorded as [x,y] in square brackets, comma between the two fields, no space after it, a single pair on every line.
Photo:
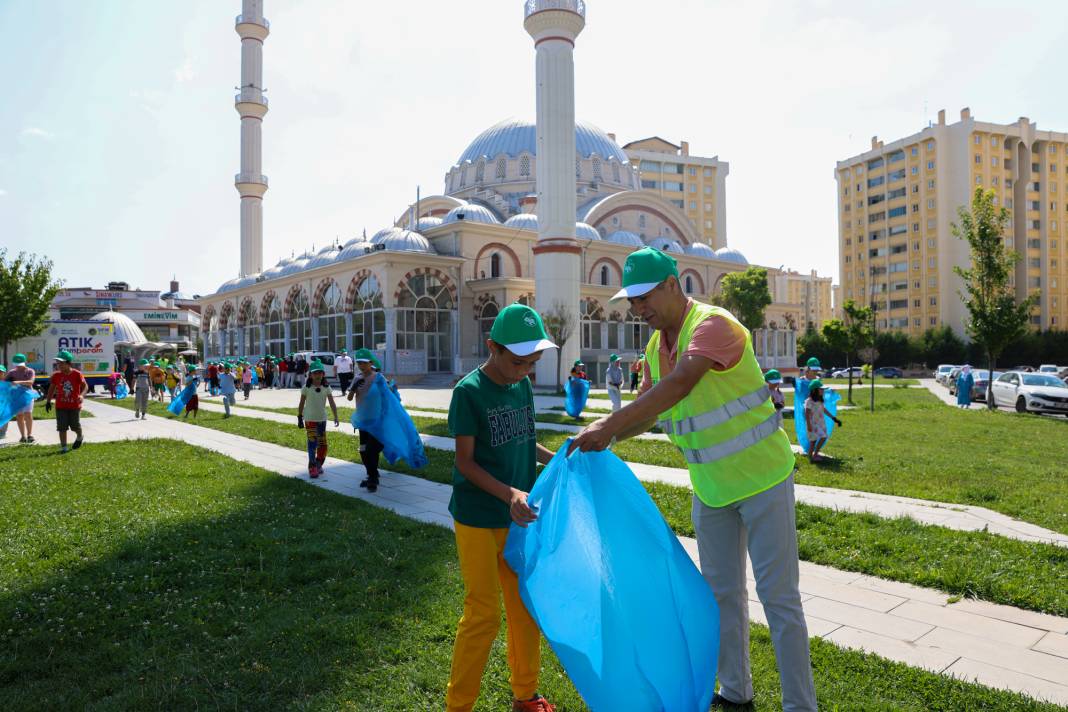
[316,366]
[18,358]
[613,358]
[814,385]
[773,376]
[376,363]
[521,330]
[644,269]
[190,369]
[143,362]
[3,368]
[578,362]
[813,363]
[63,356]
[363,355]
[344,351]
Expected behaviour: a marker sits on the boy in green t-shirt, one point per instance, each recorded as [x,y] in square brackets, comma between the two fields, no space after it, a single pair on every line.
[492,418]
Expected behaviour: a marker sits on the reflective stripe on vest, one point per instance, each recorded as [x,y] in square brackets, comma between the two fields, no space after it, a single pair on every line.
[738,443]
[722,414]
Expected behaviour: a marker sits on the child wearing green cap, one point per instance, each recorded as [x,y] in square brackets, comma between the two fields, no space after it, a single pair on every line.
[816,421]
[67,386]
[370,447]
[3,376]
[613,378]
[314,396]
[228,389]
[22,376]
[774,380]
[193,404]
[492,418]
[142,389]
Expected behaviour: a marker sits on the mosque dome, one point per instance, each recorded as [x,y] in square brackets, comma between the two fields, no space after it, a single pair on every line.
[296,265]
[323,257]
[729,254]
[272,273]
[246,281]
[125,328]
[353,249]
[407,241]
[524,221]
[228,285]
[625,237]
[586,232]
[700,249]
[513,137]
[665,244]
[471,213]
[383,234]
[428,223]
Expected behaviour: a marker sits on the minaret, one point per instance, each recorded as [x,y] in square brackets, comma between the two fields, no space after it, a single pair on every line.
[251,104]
[554,25]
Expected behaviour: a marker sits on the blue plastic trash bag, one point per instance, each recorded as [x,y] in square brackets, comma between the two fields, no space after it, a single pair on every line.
[121,390]
[182,398]
[830,402]
[576,391]
[13,399]
[381,414]
[611,588]
[255,379]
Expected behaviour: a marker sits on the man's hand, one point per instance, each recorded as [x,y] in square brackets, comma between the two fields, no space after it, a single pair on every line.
[521,512]
[597,436]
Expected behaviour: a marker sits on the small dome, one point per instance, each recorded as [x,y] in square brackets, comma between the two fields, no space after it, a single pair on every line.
[273,272]
[383,234]
[471,213]
[228,285]
[354,249]
[428,223]
[625,237]
[178,296]
[700,249]
[407,241]
[586,232]
[125,328]
[246,281]
[323,257]
[523,221]
[665,244]
[729,254]
[295,266]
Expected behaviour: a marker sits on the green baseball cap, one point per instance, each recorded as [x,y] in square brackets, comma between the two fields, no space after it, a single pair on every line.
[813,363]
[363,355]
[613,358]
[578,362]
[190,369]
[773,376]
[3,368]
[61,356]
[316,366]
[143,362]
[18,358]
[376,363]
[344,351]
[644,269]
[521,330]
[814,385]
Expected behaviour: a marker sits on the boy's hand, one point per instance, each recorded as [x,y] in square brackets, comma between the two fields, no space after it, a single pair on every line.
[300,421]
[521,512]
[48,406]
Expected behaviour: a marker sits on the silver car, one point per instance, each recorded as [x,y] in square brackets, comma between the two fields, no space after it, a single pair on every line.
[1031,393]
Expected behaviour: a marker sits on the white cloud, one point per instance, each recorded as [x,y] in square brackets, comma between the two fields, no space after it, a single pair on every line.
[37,132]
[185,73]
[2,192]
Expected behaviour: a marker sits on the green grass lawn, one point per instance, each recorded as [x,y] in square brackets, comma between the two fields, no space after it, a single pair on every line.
[210,583]
[975,564]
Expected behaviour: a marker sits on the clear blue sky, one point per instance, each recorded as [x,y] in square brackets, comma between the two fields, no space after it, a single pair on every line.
[119,141]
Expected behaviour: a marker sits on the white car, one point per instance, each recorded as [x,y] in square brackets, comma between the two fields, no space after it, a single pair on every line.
[1031,393]
[942,371]
[844,373]
[1049,368]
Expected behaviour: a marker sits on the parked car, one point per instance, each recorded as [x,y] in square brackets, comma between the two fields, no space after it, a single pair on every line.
[889,372]
[1049,368]
[327,359]
[1024,369]
[1031,392]
[979,388]
[950,381]
[1063,374]
[942,371]
[844,373]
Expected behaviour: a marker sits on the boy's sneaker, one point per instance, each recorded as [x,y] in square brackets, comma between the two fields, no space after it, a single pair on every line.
[63,450]
[30,439]
[720,702]
[313,471]
[77,443]
[22,441]
[535,704]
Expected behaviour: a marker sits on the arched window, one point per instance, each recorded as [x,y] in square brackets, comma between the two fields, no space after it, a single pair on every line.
[485,324]
[247,317]
[604,275]
[275,327]
[635,333]
[524,166]
[300,323]
[424,320]
[331,320]
[495,265]
[613,331]
[480,171]
[597,169]
[368,316]
[689,284]
[213,336]
[591,315]
[501,168]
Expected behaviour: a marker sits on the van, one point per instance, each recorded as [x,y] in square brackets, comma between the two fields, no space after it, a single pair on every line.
[327,359]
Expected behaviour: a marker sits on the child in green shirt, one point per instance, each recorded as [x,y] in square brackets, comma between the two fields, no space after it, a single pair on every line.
[492,418]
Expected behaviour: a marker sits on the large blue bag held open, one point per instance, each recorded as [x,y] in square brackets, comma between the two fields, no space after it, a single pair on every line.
[830,402]
[576,391]
[381,414]
[13,399]
[178,403]
[611,588]
[121,389]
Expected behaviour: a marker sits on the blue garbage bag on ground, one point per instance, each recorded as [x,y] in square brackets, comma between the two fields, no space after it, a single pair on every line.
[611,588]
[179,401]
[121,390]
[13,399]
[830,402]
[381,414]
[576,391]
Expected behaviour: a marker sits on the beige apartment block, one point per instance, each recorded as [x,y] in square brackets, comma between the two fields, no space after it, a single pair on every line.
[693,184]
[897,204]
[810,292]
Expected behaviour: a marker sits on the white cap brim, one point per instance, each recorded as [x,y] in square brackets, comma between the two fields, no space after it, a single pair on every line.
[526,348]
[363,360]
[634,290]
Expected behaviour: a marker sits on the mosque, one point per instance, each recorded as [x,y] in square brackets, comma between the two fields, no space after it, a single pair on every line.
[423,292]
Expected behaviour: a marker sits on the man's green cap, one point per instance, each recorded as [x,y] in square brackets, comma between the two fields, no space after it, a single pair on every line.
[18,358]
[316,366]
[613,358]
[62,356]
[813,363]
[773,376]
[344,351]
[363,355]
[578,362]
[521,330]
[644,269]
[814,385]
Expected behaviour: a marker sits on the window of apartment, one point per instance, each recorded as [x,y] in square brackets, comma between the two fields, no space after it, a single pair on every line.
[677,203]
[930,184]
[1036,224]
[1036,186]
[653,166]
[693,187]
[899,303]
[708,224]
[693,205]
[915,151]
[899,230]
[1035,262]
[693,170]
[933,321]
[1053,225]
[994,180]
[930,145]
[1053,187]
[896,175]
[1053,168]
[1008,182]
[877,252]
[978,180]
[672,185]
[899,267]
[930,243]
[708,173]
[878,180]
[993,142]
[931,263]
[673,168]
[875,163]
[1035,205]
[849,241]
[708,190]
[978,158]
[915,170]
[930,223]
[1034,244]
[915,227]
[1035,168]
[930,204]
[708,207]
[977,139]
[895,156]
[875,199]
[898,249]
[916,245]
[1008,203]
[994,161]
[932,282]
[896,193]
[930,165]
[876,217]
[915,265]
[933,302]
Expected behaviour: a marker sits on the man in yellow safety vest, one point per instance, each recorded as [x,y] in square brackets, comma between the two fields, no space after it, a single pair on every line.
[703,386]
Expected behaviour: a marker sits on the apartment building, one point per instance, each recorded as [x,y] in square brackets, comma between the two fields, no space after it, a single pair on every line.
[694,184]
[898,201]
[810,292]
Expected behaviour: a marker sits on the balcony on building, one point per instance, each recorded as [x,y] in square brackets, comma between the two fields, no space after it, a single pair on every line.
[250,20]
[576,6]
[250,95]
[253,178]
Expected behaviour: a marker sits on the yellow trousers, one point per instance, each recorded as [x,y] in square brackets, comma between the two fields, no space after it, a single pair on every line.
[486,575]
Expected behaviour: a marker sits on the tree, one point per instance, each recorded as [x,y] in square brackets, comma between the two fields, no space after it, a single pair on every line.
[746,296]
[941,345]
[26,293]
[995,318]
[560,323]
[857,324]
[833,334]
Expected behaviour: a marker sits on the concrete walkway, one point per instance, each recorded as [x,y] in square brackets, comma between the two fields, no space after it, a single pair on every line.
[995,645]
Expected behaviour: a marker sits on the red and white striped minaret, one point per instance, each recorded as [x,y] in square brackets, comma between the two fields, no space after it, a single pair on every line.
[251,104]
[554,25]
